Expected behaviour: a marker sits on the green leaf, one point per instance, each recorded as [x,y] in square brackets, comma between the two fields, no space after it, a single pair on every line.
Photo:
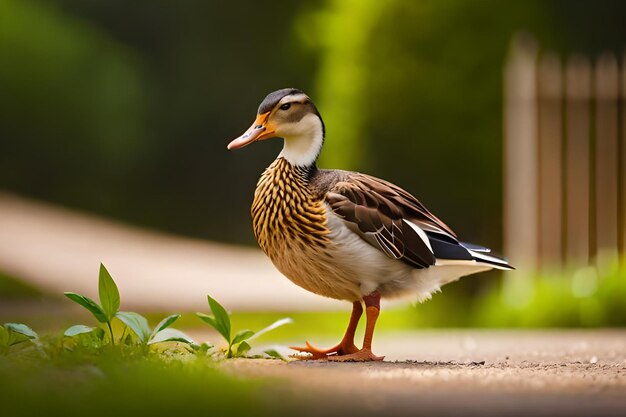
[170,335]
[272,326]
[137,323]
[22,329]
[273,353]
[241,336]
[165,323]
[79,329]
[210,320]
[108,293]
[243,348]
[90,305]
[86,336]
[221,317]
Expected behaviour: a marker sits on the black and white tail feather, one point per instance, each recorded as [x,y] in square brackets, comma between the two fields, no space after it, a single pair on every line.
[447,249]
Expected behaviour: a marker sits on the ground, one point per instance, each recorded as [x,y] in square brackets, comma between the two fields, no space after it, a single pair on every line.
[468,372]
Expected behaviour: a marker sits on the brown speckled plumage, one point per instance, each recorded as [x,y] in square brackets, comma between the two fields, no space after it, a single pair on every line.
[289,217]
[285,209]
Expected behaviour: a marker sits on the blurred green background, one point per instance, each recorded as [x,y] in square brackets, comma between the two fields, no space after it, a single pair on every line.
[124,109]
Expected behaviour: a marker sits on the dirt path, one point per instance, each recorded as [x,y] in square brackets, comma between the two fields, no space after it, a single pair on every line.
[58,250]
[570,373]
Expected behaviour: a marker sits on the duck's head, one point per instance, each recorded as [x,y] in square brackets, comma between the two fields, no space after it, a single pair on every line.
[288,114]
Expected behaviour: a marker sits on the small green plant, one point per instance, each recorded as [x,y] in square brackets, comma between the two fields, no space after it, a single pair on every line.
[238,345]
[109,308]
[12,334]
[161,333]
[86,336]
[103,312]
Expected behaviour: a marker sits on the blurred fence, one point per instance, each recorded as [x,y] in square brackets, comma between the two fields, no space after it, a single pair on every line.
[564,158]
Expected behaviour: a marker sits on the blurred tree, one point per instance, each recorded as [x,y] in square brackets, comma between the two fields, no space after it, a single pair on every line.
[588,26]
[340,33]
[125,108]
[71,107]
[201,68]
[210,64]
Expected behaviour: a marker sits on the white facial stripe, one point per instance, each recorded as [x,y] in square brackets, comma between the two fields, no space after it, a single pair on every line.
[301,98]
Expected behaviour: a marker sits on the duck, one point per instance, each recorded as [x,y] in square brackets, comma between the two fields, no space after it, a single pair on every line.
[346,235]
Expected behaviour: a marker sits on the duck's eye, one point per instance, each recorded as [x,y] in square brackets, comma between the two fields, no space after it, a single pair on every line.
[285,106]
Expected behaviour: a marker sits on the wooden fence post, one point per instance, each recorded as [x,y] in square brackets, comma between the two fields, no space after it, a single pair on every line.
[577,183]
[550,94]
[520,153]
[606,158]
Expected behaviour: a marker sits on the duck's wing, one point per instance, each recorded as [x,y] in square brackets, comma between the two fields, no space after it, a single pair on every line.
[387,217]
[392,220]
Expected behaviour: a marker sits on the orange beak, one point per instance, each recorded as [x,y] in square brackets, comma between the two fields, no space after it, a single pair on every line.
[259,130]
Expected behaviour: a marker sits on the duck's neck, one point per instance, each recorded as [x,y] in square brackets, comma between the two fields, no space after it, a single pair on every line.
[302,147]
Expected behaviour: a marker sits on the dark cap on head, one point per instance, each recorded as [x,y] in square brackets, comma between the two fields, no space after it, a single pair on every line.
[272,98]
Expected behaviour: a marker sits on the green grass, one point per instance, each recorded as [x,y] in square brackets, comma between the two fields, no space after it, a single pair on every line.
[60,379]
[582,298]
[88,372]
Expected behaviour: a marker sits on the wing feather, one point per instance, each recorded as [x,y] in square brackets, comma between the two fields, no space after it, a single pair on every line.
[380,213]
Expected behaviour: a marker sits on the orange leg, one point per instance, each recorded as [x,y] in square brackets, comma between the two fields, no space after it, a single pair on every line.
[372,310]
[346,346]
